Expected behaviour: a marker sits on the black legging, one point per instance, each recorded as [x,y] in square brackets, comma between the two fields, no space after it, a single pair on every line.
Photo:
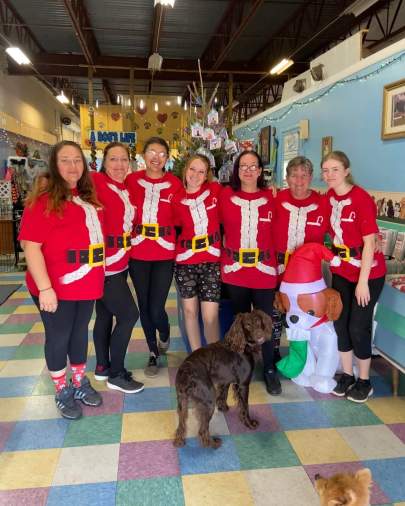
[242,300]
[66,332]
[354,326]
[111,345]
[152,280]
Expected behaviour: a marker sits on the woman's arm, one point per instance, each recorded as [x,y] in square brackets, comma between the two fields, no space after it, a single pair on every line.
[37,268]
[362,292]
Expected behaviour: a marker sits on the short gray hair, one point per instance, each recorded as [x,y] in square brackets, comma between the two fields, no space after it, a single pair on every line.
[297,162]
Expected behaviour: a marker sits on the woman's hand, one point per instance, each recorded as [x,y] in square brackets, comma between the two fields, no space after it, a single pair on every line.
[48,300]
[362,293]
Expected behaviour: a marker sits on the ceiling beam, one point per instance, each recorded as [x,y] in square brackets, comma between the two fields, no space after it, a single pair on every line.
[158,16]
[235,19]
[108,92]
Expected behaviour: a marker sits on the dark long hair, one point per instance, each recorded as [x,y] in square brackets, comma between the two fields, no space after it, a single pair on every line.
[57,188]
[235,180]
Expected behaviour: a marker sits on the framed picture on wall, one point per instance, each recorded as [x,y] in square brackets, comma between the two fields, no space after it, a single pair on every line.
[326,147]
[393,115]
[265,140]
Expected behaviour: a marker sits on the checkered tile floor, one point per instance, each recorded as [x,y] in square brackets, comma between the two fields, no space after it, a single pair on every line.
[121,453]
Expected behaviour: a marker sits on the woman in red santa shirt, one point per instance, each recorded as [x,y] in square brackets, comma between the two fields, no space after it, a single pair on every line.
[248,262]
[111,341]
[153,245]
[300,217]
[360,276]
[197,271]
[62,237]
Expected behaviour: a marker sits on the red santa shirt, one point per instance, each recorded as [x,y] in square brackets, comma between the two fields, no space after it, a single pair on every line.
[72,246]
[353,216]
[297,222]
[197,215]
[153,237]
[248,257]
[119,216]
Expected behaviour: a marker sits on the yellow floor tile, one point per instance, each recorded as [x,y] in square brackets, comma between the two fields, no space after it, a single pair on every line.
[3,318]
[28,469]
[15,368]
[149,426]
[257,394]
[11,408]
[11,339]
[171,303]
[100,386]
[20,294]
[227,489]
[320,446]
[90,349]
[388,409]
[27,309]
[2,364]
[137,333]
[37,327]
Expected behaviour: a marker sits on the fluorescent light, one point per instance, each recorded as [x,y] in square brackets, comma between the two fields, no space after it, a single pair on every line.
[97,103]
[185,105]
[141,104]
[18,56]
[281,66]
[359,7]
[178,100]
[156,107]
[165,2]
[62,98]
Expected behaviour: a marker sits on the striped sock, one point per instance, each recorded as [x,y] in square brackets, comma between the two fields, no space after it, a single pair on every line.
[59,380]
[78,372]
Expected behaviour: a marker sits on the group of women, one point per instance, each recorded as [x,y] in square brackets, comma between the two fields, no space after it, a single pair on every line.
[83,232]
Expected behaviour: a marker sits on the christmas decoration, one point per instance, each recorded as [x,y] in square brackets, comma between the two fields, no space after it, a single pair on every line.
[310,309]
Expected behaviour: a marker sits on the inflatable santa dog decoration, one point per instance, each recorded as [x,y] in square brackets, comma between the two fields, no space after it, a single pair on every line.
[310,309]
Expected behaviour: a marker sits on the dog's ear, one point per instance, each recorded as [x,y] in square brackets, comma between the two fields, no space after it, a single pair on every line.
[267,322]
[235,337]
[334,306]
[364,477]
[278,303]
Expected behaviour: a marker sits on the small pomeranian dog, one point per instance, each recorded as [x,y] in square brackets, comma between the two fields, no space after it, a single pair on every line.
[345,489]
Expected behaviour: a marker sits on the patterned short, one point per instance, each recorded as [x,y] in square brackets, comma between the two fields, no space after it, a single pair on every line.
[203,280]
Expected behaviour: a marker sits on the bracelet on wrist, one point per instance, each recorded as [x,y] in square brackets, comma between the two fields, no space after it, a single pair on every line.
[45,289]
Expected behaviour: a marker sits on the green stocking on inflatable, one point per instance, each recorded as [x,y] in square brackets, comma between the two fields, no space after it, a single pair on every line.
[293,364]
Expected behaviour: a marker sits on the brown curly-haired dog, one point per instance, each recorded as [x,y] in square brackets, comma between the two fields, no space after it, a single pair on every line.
[205,376]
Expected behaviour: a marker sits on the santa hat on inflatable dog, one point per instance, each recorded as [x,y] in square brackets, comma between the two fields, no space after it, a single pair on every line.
[304,269]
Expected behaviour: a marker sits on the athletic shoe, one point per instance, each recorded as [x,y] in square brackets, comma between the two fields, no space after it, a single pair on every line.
[124,382]
[101,373]
[361,391]
[164,345]
[152,368]
[344,384]
[67,405]
[273,385]
[87,394]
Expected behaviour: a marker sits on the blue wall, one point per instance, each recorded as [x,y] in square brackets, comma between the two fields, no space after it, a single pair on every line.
[351,114]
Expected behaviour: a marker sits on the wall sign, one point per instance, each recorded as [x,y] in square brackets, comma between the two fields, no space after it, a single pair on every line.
[111,136]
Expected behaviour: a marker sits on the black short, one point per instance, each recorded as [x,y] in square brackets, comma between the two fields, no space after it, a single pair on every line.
[202,280]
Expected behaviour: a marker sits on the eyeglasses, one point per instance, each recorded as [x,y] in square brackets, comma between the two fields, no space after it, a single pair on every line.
[248,168]
[152,152]
[70,161]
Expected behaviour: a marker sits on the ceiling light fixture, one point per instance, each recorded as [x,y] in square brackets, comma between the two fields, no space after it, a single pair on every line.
[178,100]
[18,56]
[62,98]
[155,62]
[141,104]
[156,107]
[165,3]
[284,64]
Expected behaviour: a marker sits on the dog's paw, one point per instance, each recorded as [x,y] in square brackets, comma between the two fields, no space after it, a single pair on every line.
[216,442]
[179,443]
[251,423]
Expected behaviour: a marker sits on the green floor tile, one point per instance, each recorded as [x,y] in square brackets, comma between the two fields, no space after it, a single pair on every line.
[138,360]
[7,309]
[348,414]
[94,430]
[29,351]
[264,450]
[44,386]
[21,328]
[153,492]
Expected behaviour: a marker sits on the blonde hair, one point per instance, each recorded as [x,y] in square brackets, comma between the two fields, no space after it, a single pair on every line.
[190,160]
[341,157]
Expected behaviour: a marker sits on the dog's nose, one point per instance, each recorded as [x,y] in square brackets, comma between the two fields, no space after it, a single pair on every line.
[294,318]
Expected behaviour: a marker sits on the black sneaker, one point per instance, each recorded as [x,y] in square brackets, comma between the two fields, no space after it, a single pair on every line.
[344,384]
[164,345]
[101,373]
[124,382]
[273,385]
[67,405]
[152,368]
[87,394]
[361,391]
